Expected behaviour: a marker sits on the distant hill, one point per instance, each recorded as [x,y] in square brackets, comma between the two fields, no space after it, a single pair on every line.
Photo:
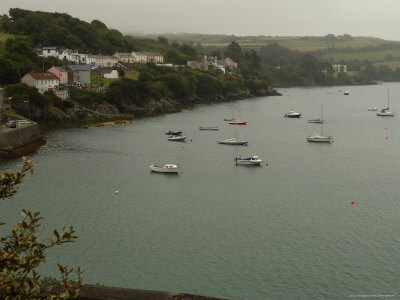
[303,44]
[331,48]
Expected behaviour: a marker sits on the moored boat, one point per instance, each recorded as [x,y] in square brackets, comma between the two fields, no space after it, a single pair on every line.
[253,160]
[319,137]
[292,114]
[177,138]
[233,141]
[316,121]
[238,122]
[372,108]
[208,127]
[385,112]
[172,132]
[168,168]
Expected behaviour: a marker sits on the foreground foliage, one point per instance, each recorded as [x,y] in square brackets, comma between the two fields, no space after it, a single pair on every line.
[22,252]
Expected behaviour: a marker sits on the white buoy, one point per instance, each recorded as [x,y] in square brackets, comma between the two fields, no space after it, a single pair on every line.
[116,192]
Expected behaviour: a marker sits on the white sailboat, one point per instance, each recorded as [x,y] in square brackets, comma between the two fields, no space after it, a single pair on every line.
[237,140]
[320,137]
[385,112]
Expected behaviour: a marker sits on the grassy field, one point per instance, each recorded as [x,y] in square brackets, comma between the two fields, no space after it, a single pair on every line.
[291,42]
[132,74]
[375,56]
[3,39]
[101,80]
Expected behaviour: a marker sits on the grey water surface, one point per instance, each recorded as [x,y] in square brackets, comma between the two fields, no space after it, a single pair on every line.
[286,230]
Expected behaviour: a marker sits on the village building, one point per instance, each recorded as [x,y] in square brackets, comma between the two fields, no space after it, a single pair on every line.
[339,68]
[124,57]
[63,53]
[79,75]
[139,57]
[154,57]
[109,74]
[207,63]
[61,73]
[101,61]
[43,82]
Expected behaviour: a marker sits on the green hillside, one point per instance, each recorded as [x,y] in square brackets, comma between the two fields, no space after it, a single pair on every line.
[303,44]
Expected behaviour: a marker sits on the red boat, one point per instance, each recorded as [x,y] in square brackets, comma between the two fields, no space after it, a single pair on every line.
[238,122]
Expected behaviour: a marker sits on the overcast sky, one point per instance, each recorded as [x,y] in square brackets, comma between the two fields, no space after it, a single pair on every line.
[239,17]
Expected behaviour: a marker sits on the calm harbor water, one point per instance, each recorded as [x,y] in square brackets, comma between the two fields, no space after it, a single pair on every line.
[282,231]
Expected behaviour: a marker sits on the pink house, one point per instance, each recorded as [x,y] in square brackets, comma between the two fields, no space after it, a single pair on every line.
[61,73]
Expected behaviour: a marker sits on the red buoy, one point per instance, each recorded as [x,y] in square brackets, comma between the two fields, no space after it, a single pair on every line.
[183,147]
[352,202]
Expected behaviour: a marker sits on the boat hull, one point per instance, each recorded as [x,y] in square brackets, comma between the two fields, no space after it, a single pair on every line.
[232,142]
[177,138]
[208,128]
[316,121]
[164,169]
[319,139]
[385,114]
[238,123]
[293,116]
[248,162]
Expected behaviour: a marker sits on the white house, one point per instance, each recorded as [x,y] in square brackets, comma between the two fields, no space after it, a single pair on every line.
[42,81]
[101,61]
[109,74]
[63,53]
[339,68]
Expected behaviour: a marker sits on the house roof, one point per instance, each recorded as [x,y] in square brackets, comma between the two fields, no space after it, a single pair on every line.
[123,54]
[152,53]
[60,69]
[43,76]
[102,57]
[79,67]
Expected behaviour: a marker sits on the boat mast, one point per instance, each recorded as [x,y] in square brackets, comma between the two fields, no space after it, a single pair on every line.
[322,123]
[388,99]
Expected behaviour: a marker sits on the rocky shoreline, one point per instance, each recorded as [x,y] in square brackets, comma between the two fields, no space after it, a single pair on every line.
[104,112]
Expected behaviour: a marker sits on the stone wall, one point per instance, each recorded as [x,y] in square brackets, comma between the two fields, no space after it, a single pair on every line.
[13,138]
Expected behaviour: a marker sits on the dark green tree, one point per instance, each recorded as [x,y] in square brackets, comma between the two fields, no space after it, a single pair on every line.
[234,51]
[22,251]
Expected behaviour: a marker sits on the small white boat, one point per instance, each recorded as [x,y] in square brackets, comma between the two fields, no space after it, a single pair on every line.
[177,138]
[319,138]
[208,127]
[253,160]
[372,108]
[168,168]
[238,122]
[346,93]
[233,141]
[292,114]
[385,112]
